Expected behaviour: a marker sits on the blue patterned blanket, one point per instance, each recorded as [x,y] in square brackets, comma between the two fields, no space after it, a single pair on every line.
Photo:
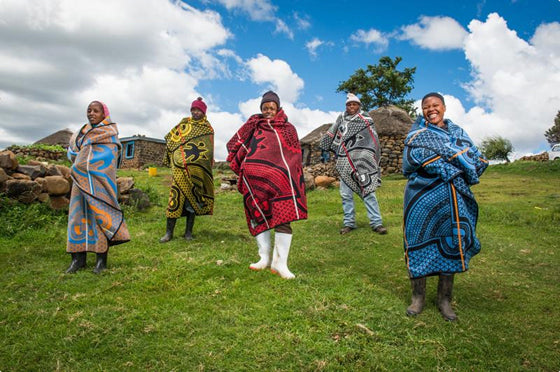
[440,211]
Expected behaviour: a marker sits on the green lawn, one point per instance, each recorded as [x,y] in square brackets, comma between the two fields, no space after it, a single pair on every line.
[185,306]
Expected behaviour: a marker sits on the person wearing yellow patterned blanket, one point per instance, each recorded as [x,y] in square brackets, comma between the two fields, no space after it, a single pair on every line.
[95,219]
[190,154]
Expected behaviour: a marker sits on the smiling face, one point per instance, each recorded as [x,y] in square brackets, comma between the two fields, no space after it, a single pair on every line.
[269,109]
[433,110]
[352,108]
[95,113]
[197,114]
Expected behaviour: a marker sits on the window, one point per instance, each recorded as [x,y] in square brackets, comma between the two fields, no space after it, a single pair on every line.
[129,150]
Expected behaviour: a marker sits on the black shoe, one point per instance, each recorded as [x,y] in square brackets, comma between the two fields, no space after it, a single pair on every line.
[169,230]
[189,226]
[346,230]
[444,296]
[101,263]
[78,262]
[381,230]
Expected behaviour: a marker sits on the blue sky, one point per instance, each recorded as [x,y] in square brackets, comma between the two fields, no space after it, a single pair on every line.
[496,62]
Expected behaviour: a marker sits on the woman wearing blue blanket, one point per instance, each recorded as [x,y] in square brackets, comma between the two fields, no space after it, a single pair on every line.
[440,212]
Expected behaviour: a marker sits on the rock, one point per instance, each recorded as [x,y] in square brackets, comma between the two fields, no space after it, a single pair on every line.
[43,182]
[324,181]
[43,197]
[139,199]
[231,181]
[3,176]
[59,202]
[225,186]
[37,162]
[124,184]
[538,157]
[309,180]
[57,185]
[32,171]
[65,171]
[52,170]
[8,160]
[25,191]
[20,176]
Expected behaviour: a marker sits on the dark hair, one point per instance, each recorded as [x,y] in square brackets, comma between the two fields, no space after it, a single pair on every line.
[433,94]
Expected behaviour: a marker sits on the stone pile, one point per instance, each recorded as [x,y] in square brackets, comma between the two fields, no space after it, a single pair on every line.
[36,181]
[543,156]
[320,175]
[39,181]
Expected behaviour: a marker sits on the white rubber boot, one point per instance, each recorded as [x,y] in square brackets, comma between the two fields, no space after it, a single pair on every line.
[263,242]
[279,265]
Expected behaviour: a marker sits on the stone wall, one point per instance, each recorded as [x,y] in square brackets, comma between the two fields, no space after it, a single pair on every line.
[39,181]
[35,181]
[543,156]
[37,153]
[391,153]
[145,153]
[391,156]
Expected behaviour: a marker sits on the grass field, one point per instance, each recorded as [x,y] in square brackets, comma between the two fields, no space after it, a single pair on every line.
[188,306]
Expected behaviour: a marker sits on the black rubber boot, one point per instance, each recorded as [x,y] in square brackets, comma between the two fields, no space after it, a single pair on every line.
[169,230]
[418,296]
[78,262]
[190,224]
[444,294]
[101,263]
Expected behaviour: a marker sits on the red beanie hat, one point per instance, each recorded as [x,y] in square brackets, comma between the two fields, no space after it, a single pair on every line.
[199,104]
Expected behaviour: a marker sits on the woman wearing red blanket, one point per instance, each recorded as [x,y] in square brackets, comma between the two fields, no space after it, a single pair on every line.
[266,155]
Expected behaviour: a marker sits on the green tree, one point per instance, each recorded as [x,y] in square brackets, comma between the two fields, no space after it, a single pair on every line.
[553,133]
[496,148]
[382,85]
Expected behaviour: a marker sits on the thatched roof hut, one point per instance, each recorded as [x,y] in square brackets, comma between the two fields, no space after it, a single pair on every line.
[62,138]
[315,135]
[392,125]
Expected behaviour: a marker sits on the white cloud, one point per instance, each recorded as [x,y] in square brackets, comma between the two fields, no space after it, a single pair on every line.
[278,75]
[312,46]
[435,33]
[225,124]
[57,55]
[282,27]
[515,81]
[371,37]
[306,119]
[258,10]
[302,21]
[515,84]
[546,39]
